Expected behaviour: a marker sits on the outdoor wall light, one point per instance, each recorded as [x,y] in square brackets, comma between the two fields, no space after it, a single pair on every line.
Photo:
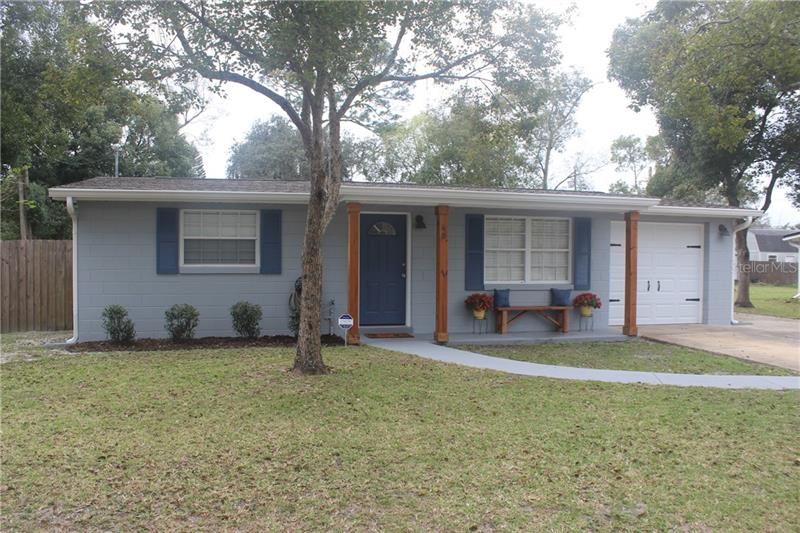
[419,222]
[723,230]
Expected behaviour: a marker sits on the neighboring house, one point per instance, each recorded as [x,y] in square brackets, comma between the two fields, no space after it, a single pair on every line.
[396,256]
[767,244]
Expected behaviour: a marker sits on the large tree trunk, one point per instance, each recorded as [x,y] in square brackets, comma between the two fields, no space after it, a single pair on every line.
[743,266]
[308,358]
[326,177]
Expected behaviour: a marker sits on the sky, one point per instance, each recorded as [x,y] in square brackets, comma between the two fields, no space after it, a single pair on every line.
[602,116]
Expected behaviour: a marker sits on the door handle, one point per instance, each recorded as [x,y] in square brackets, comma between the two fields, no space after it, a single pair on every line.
[403,271]
[648,285]
[659,286]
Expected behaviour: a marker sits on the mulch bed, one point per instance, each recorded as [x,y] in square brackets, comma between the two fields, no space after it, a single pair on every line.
[203,343]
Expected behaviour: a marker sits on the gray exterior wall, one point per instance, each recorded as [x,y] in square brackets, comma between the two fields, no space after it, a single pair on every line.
[117,265]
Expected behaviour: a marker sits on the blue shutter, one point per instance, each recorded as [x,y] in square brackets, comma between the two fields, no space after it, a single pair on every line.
[582,254]
[473,265]
[167,228]
[271,241]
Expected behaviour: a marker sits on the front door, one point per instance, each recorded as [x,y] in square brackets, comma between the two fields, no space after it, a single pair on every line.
[383,270]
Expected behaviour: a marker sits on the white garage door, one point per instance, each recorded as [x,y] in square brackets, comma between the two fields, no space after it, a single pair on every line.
[670,282]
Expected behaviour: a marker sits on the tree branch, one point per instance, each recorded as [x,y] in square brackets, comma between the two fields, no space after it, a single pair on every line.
[221,35]
[234,77]
[366,82]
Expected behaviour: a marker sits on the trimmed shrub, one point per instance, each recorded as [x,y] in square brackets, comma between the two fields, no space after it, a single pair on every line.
[119,328]
[246,317]
[182,320]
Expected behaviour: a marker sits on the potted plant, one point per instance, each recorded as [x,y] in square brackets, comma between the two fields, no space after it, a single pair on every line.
[587,302]
[479,302]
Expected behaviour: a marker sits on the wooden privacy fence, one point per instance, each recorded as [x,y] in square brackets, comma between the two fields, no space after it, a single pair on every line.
[36,284]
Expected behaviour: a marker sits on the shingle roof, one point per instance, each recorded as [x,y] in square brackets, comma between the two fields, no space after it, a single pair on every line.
[266,186]
[187,184]
[771,240]
[150,187]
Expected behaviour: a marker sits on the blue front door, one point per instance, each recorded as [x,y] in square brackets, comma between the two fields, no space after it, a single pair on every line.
[383,270]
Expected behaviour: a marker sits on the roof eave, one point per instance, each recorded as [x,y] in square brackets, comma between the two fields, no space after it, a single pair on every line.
[133,195]
[706,212]
[417,196]
[374,195]
[421,196]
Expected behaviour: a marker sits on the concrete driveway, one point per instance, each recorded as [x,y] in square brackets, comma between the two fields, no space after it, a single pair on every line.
[774,341]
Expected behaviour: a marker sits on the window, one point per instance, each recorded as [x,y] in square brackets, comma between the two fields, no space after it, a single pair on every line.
[527,250]
[383,229]
[219,238]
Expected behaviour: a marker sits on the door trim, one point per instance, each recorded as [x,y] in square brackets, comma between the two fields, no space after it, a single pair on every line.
[409,265]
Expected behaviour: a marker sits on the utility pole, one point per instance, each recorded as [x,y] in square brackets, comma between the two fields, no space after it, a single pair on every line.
[116,147]
[22,185]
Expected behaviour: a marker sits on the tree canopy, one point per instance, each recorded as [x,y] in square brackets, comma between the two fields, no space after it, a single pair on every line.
[272,149]
[63,107]
[463,143]
[724,81]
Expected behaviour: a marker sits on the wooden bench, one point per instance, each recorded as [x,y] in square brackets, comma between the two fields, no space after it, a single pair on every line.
[560,320]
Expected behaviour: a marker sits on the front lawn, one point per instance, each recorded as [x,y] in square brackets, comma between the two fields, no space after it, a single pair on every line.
[228,439]
[628,355]
[772,300]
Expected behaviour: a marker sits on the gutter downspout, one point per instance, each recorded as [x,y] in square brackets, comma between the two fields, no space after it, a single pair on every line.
[736,229]
[74,216]
[796,245]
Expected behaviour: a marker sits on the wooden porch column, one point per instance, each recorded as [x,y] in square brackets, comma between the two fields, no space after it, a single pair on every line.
[353,261]
[631,272]
[442,212]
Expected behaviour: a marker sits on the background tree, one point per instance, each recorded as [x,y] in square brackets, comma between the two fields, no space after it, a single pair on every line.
[63,107]
[554,122]
[272,149]
[628,153]
[325,62]
[504,139]
[733,134]
[462,143]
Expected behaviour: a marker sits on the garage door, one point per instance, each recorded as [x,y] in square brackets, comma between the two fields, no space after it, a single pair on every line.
[670,281]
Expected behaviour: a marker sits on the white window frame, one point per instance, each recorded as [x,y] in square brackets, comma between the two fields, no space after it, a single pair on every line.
[232,266]
[528,251]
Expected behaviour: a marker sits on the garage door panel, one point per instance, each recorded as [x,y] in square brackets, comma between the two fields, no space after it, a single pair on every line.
[670,254]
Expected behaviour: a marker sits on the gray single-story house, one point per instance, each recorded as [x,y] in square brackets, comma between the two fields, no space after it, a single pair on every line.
[397,257]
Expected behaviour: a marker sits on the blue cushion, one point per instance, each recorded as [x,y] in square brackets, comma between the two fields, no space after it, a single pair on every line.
[560,296]
[502,297]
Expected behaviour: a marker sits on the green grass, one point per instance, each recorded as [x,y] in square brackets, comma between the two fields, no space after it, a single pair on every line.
[628,355]
[223,440]
[772,300]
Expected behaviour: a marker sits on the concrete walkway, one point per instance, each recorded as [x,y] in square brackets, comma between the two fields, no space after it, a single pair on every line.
[446,354]
[763,339]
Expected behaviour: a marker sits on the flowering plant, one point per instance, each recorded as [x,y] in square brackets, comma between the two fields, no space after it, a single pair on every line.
[588,299]
[479,300]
